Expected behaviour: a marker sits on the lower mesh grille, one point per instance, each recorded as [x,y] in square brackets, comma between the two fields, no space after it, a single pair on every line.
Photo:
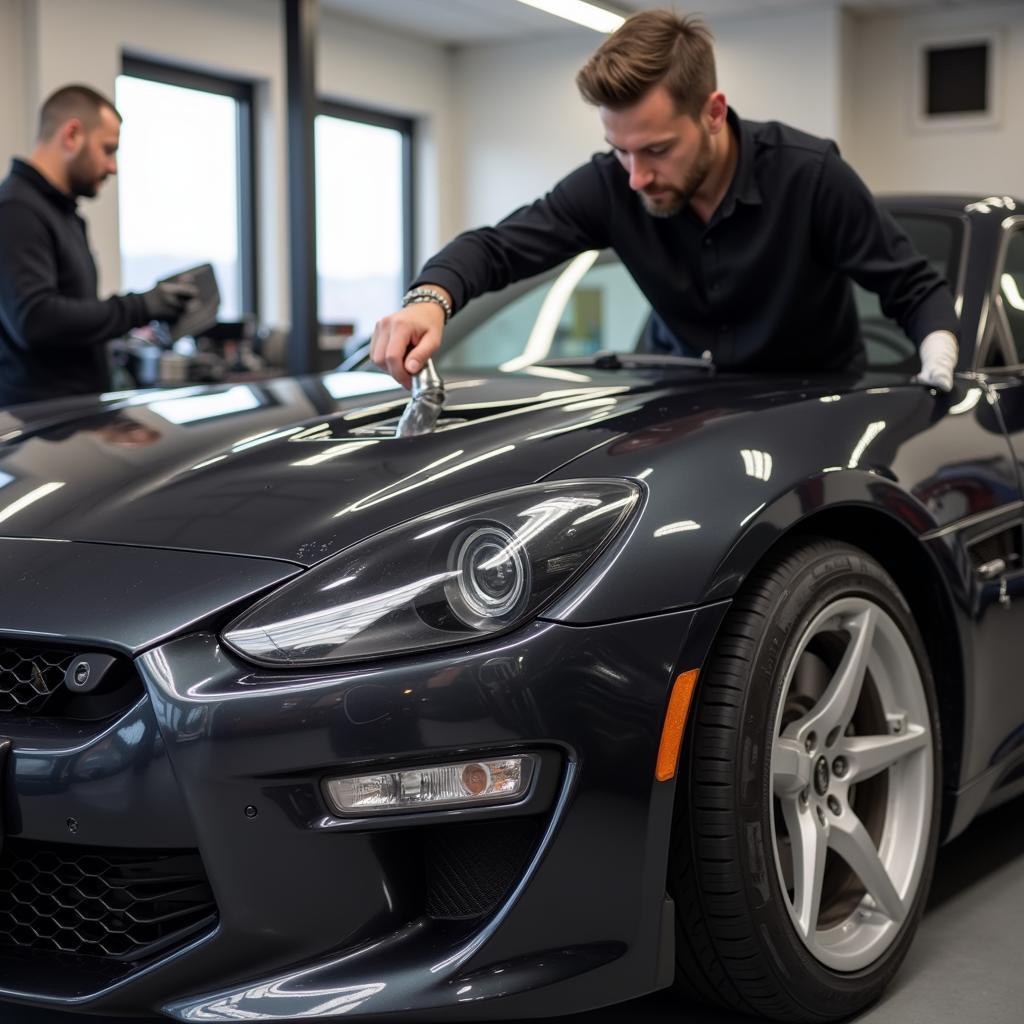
[119,906]
[29,677]
[32,684]
[471,867]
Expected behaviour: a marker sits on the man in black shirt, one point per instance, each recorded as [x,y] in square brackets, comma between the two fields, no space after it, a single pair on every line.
[53,328]
[743,236]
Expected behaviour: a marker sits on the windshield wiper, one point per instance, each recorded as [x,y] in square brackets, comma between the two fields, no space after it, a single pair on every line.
[622,360]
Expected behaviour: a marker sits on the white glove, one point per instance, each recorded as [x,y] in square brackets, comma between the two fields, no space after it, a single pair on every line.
[938,360]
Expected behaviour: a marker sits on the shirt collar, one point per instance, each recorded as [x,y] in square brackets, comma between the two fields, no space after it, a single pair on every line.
[744,187]
[24,170]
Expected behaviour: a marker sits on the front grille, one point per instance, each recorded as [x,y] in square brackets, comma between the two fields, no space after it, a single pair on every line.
[472,866]
[120,906]
[29,677]
[32,684]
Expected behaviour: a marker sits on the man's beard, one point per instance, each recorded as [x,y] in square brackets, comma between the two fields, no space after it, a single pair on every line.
[676,199]
[81,178]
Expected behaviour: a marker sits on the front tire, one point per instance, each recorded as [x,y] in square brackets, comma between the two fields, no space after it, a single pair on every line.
[808,805]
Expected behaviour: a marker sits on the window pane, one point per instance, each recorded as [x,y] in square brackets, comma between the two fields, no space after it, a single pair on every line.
[606,312]
[359,222]
[179,186]
[602,309]
[938,240]
[958,80]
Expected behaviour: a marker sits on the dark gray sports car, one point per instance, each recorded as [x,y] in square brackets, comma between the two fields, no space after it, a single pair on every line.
[627,674]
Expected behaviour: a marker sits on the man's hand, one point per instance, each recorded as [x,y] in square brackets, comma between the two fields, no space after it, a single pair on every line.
[938,360]
[403,342]
[168,300]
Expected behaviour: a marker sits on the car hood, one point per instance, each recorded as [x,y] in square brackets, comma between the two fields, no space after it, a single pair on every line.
[298,469]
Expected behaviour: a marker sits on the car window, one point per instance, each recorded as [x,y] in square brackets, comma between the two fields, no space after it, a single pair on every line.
[1011,290]
[938,240]
[588,307]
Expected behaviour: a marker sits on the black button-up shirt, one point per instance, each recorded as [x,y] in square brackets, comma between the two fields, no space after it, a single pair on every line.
[52,325]
[765,284]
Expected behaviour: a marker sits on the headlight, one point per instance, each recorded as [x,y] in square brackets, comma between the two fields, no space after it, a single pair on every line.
[491,575]
[458,574]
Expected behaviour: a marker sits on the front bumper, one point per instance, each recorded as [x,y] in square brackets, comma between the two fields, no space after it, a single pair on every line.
[320,917]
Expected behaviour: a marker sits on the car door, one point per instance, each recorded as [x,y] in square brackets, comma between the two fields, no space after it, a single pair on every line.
[997,544]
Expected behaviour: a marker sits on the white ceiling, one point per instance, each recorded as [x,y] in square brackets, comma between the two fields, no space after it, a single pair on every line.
[473,21]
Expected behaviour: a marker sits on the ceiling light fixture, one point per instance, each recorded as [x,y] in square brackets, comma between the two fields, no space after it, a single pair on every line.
[579,11]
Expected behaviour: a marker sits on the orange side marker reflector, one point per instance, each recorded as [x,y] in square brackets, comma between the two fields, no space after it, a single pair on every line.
[675,722]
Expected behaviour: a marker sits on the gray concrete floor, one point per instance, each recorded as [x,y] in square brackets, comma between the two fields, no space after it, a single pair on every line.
[966,964]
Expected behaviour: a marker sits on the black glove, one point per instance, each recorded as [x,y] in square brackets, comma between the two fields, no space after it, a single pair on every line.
[168,300]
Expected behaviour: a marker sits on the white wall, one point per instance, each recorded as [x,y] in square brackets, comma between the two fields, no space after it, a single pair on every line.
[14,123]
[784,67]
[524,123]
[849,55]
[47,43]
[526,126]
[895,155]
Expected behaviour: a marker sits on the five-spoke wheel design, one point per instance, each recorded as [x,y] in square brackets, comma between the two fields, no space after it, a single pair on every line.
[851,783]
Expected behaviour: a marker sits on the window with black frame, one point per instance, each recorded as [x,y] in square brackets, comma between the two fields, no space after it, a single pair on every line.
[364,217]
[186,190]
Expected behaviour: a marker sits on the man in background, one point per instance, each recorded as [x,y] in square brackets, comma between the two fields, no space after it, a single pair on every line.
[53,327]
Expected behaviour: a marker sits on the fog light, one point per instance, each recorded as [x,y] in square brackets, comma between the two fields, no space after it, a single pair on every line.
[433,786]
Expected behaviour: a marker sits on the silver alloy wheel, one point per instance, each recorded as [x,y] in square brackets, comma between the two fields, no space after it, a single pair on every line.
[852,775]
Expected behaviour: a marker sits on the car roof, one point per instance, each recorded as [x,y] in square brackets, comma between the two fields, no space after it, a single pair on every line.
[955,204]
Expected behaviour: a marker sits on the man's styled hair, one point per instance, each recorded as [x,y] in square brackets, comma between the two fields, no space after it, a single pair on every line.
[72,101]
[652,48]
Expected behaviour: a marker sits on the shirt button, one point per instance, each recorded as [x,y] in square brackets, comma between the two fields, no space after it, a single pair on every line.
[707,242]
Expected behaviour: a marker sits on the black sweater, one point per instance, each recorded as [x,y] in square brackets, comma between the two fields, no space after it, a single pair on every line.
[764,285]
[52,325]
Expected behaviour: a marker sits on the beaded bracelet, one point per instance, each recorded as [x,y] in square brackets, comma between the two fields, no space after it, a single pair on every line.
[414,295]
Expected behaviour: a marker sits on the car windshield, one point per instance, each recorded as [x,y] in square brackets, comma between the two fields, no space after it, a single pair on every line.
[592,305]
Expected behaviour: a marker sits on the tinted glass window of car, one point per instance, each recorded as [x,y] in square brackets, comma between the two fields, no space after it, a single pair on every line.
[1011,290]
[938,239]
[570,316]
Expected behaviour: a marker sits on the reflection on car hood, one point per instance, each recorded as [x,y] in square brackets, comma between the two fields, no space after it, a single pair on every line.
[299,468]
